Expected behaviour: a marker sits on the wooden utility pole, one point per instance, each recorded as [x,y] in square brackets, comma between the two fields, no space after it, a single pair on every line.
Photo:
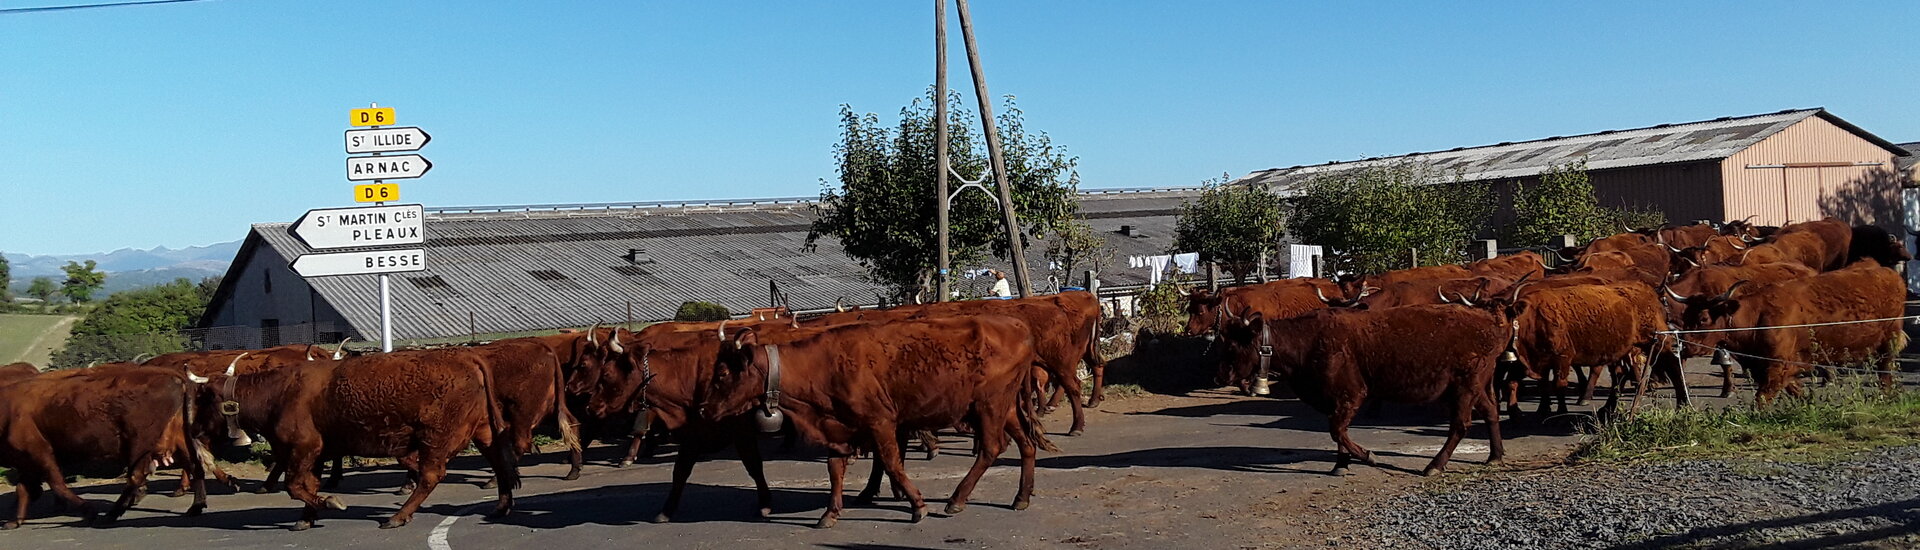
[1022,280]
[943,278]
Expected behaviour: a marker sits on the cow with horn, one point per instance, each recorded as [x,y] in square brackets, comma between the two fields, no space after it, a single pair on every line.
[1855,311]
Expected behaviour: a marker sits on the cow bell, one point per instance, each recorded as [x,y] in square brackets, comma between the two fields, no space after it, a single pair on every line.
[1211,336]
[1509,356]
[1260,386]
[770,420]
[1722,358]
[239,437]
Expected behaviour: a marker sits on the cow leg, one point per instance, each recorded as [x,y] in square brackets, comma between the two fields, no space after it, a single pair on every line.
[24,493]
[1463,405]
[432,468]
[638,443]
[272,483]
[1099,370]
[136,487]
[1588,382]
[1071,384]
[872,489]
[333,481]
[1726,380]
[682,468]
[988,443]
[930,440]
[1342,417]
[1496,448]
[304,486]
[1510,381]
[50,472]
[887,452]
[836,478]
[506,470]
[747,443]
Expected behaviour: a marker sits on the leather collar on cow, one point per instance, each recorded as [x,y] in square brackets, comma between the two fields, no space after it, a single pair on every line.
[644,421]
[230,410]
[771,417]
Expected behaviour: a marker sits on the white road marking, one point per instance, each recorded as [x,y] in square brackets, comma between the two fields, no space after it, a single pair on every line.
[437,540]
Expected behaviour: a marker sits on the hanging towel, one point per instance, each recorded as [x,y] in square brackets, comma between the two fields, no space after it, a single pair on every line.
[1188,262]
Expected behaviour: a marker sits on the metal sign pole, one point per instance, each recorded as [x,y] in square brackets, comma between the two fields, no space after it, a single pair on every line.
[386,292]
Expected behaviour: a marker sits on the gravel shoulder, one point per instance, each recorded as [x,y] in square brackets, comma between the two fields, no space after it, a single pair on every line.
[1867,500]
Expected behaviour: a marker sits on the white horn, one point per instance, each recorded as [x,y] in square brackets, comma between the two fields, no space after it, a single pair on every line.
[722,331]
[1675,295]
[613,342]
[340,351]
[194,378]
[236,361]
[1443,296]
[309,352]
[590,330]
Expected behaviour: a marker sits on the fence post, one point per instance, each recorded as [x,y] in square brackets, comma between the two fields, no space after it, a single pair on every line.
[1319,266]
[473,328]
[1414,255]
[1486,249]
[1093,285]
[629,315]
[1261,268]
[1213,276]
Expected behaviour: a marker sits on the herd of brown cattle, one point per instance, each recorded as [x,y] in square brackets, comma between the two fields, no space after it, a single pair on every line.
[864,381]
[1637,302]
[849,382]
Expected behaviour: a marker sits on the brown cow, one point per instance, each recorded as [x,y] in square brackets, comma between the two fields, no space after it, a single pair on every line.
[210,363]
[1206,313]
[655,377]
[1717,250]
[1776,356]
[1686,236]
[1835,240]
[1805,248]
[1560,329]
[138,417]
[1715,279]
[1434,291]
[1874,242]
[529,383]
[861,385]
[422,407]
[1336,359]
[1623,241]
[1652,261]
[1065,330]
[1511,267]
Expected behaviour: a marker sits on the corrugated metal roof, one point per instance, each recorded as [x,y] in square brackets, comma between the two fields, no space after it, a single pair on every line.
[551,266]
[1667,143]
[1906,162]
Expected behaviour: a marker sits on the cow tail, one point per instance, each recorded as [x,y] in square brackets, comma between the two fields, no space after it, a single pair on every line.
[195,467]
[494,415]
[569,434]
[1029,415]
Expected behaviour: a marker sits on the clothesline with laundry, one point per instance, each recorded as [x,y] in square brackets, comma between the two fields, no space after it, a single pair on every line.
[1188,262]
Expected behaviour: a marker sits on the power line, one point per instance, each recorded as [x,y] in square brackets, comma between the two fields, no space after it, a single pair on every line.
[5,11]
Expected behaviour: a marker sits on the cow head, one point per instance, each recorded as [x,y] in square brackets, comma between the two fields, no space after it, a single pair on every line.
[1244,345]
[1204,310]
[742,371]
[1708,311]
[219,395]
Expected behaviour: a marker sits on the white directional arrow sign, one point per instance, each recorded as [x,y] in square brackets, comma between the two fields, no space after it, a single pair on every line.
[360,263]
[391,167]
[386,140]
[326,228]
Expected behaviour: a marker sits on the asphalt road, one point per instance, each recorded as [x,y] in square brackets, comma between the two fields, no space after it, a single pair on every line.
[1206,470]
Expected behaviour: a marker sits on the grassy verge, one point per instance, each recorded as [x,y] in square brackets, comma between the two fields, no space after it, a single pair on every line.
[32,338]
[1845,417]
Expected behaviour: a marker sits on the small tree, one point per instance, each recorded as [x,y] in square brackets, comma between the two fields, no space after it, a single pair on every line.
[701,311]
[82,281]
[130,323]
[1375,219]
[882,209]
[43,289]
[1562,203]
[1073,245]
[1234,225]
[6,279]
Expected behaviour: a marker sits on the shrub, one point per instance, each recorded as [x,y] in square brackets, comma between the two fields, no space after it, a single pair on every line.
[701,311]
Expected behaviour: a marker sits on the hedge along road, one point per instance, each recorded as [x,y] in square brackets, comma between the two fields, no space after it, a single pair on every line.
[1207,469]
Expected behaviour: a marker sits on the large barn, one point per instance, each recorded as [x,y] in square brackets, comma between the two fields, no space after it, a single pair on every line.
[1793,165]
[493,270]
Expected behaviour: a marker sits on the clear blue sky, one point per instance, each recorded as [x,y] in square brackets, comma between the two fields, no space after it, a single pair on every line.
[180,124]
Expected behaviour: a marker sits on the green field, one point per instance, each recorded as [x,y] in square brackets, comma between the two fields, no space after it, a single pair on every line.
[32,338]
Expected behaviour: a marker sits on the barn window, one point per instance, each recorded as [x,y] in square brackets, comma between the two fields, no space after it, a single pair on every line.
[266,280]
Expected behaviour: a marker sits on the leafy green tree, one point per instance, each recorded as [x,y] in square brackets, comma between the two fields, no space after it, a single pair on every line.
[1375,219]
[43,289]
[134,322]
[882,207]
[1234,225]
[1075,245]
[6,279]
[82,281]
[701,311]
[1562,203]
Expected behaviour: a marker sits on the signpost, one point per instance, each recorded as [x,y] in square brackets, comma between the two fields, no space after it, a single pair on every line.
[366,262]
[376,192]
[371,226]
[386,140]
[396,167]
[367,226]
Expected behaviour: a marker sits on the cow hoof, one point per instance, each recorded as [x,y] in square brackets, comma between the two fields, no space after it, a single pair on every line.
[623,464]
[954,508]
[1340,471]
[826,522]
[571,476]
[9,526]
[766,512]
[334,503]
[1430,472]
[1021,504]
[1093,404]
[491,483]
[301,525]
[391,524]
[177,493]
[261,490]
[196,510]
[920,513]
[662,518]
[1076,433]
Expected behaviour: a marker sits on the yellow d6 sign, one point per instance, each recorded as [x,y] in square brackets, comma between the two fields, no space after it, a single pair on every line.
[377,192]
[371,117]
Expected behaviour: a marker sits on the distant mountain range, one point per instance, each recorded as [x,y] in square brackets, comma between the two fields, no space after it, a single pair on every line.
[129,268]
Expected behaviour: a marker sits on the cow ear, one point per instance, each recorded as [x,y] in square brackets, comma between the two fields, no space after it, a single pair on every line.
[1722,308]
[1517,309]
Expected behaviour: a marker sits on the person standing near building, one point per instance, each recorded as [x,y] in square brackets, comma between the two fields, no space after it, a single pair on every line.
[1000,286]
